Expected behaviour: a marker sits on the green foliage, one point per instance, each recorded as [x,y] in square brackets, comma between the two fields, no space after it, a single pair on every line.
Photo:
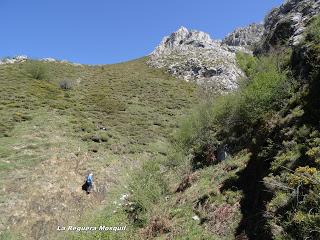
[286,158]
[108,105]
[300,172]
[303,176]
[37,70]
[312,34]
[247,63]
[267,88]
[267,117]
[264,93]
[6,235]
[127,111]
[280,200]
[195,131]
[148,188]
[312,44]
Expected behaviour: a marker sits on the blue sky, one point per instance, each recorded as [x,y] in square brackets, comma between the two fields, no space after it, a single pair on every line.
[110,31]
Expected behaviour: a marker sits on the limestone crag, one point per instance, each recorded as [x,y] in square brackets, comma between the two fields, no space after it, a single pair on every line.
[246,36]
[194,56]
[286,24]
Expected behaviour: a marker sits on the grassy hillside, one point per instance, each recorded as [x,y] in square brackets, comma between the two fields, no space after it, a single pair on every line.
[60,121]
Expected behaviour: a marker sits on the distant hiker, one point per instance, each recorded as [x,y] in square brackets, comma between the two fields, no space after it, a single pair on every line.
[222,152]
[87,186]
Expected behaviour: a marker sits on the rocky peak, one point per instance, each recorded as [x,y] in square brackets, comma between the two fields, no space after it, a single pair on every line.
[183,39]
[194,56]
[245,36]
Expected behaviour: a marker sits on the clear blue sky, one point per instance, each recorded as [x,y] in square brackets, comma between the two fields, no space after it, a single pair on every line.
[110,31]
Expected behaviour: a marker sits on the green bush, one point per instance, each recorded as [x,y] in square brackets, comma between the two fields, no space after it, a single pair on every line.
[264,93]
[148,188]
[106,104]
[313,31]
[196,128]
[37,70]
[247,63]
[312,43]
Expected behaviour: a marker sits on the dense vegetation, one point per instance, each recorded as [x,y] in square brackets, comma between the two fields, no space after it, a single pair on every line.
[269,185]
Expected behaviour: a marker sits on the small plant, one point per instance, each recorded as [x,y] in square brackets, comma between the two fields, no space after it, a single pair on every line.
[66,84]
[303,176]
[108,105]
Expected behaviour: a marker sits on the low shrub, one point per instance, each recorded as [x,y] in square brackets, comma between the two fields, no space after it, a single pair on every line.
[66,84]
[37,70]
[247,63]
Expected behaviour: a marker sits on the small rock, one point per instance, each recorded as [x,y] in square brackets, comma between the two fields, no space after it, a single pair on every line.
[196,218]
[124,197]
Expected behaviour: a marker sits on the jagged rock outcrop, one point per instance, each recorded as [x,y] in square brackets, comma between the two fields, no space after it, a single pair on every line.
[194,56]
[246,36]
[286,24]
[17,59]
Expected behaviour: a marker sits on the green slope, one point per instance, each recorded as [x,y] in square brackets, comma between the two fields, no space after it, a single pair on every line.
[58,121]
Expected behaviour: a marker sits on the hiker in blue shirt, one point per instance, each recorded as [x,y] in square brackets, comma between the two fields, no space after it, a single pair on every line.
[89,183]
